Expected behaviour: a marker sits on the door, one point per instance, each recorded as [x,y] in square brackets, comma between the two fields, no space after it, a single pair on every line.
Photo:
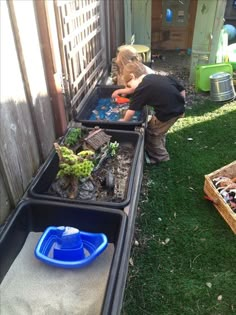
[173,24]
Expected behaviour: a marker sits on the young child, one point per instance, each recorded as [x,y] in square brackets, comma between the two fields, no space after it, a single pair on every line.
[126,55]
[165,95]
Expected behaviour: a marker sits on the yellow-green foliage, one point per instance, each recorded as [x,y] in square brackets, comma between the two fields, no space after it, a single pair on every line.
[89,154]
[79,169]
[68,155]
[75,165]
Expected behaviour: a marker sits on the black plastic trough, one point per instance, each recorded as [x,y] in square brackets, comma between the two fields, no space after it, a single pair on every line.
[36,216]
[40,185]
[105,91]
[131,211]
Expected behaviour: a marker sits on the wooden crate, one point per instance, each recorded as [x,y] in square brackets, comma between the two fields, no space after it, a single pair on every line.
[218,201]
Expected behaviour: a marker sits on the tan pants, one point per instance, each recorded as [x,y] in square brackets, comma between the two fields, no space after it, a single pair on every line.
[155,138]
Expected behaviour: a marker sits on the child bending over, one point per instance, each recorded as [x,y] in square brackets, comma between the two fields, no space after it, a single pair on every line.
[165,95]
[126,55]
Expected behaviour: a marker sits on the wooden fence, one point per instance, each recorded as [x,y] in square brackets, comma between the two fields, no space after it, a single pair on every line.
[26,118]
[43,45]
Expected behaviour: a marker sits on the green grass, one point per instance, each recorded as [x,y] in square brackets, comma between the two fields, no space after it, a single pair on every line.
[185,260]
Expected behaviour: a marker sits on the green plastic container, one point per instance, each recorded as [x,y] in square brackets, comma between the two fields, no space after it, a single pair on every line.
[203,73]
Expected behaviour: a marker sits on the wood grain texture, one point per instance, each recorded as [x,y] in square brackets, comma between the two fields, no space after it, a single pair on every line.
[223,208]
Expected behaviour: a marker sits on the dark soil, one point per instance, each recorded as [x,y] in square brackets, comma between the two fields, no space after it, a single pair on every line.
[112,180]
[177,64]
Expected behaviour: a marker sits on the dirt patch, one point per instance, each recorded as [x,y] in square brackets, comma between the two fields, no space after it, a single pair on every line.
[112,179]
[177,64]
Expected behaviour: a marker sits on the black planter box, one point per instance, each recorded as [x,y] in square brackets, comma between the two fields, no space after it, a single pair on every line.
[36,216]
[131,211]
[105,91]
[40,185]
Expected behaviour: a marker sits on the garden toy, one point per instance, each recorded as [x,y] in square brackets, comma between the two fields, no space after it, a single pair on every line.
[67,247]
[121,100]
[96,139]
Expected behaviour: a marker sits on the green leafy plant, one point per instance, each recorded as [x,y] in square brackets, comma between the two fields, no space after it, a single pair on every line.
[113,148]
[73,137]
[81,169]
[70,164]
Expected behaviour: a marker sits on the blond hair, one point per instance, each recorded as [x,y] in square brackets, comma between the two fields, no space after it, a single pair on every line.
[135,68]
[126,55]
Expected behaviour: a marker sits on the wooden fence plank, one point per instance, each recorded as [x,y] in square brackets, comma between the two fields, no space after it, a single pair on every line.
[18,151]
[5,203]
[32,67]
[19,155]
[128,21]
[52,66]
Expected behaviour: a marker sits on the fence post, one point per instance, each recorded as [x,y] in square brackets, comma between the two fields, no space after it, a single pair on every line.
[54,79]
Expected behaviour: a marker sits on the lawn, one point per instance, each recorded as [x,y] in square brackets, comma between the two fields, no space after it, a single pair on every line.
[183,260]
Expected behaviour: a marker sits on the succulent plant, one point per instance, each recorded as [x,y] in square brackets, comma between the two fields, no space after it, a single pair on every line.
[70,164]
[73,137]
[113,148]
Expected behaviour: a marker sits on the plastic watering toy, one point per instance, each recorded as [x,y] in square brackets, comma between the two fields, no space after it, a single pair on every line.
[67,247]
[121,100]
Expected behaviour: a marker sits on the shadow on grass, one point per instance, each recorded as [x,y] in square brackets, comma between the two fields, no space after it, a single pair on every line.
[206,144]
[206,107]
[185,261]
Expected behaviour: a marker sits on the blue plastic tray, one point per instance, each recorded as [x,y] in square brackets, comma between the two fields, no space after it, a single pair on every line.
[58,248]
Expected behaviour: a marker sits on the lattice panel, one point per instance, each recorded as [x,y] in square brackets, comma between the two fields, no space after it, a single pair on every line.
[81,32]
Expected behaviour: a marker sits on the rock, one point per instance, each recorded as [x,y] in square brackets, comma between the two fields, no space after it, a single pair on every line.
[87,191]
[88,185]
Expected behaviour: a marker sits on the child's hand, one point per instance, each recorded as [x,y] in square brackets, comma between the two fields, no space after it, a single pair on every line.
[183,93]
[115,94]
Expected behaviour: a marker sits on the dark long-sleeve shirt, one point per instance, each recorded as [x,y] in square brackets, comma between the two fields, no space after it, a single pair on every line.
[161,92]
